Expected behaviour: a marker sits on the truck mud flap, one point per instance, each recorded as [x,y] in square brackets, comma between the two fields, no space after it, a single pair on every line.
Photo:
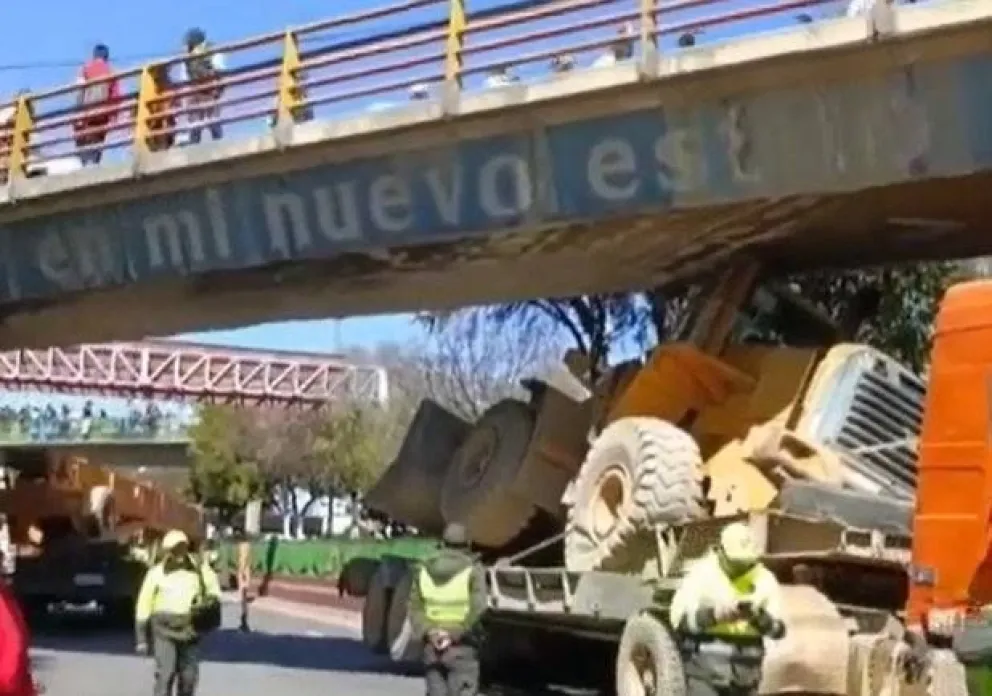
[409,491]
[813,656]
[851,508]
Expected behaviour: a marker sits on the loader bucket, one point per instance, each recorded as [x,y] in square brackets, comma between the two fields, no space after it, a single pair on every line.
[409,491]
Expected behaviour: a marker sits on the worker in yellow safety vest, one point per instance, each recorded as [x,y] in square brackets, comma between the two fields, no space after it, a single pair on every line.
[724,607]
[179,602]
[446,604]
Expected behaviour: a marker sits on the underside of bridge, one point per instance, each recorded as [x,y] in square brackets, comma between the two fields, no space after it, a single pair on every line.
[921,220]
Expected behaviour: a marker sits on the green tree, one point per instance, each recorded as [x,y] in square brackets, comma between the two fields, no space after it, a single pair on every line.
[899,304]
[220,477]
[348,450]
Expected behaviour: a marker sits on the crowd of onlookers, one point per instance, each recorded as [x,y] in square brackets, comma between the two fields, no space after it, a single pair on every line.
[61,423]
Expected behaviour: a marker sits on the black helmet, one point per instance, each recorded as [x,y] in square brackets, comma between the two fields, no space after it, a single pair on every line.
[195,37]
[455,534]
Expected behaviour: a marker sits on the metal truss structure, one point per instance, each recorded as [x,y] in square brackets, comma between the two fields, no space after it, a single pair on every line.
[192,372]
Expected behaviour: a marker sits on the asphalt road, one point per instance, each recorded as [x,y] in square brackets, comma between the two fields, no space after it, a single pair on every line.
[289,652]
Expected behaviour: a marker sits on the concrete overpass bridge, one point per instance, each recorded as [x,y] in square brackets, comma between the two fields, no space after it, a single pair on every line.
[839,141]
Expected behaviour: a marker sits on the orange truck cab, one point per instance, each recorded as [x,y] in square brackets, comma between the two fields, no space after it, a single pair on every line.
[950,583]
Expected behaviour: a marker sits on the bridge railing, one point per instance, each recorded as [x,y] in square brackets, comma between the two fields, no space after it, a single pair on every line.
[371,60]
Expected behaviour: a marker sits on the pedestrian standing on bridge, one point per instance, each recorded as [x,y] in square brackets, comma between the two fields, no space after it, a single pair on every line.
[179,602]
[98,93]
[446,605]
[202,69]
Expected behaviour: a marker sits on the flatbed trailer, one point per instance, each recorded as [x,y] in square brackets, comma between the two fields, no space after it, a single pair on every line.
[81,533]
[844,589]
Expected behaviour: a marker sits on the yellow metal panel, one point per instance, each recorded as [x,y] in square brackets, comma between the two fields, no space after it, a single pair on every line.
[778,373]
[148,92]
[23,125]
[456,38]
[648,25]
[289,97]
[677,380]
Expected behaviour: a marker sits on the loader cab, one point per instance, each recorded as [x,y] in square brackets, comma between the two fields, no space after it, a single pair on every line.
[738,307]
[743,352]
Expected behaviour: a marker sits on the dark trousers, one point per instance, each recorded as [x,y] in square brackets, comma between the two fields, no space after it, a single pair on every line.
[453,672]
[176,663]
[722,669]
[243,624]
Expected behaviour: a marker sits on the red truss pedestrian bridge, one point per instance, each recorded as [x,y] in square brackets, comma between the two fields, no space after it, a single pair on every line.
[192,372]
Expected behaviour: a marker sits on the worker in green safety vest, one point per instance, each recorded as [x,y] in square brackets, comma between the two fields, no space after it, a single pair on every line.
[724,607]
[179,602]
[447,601]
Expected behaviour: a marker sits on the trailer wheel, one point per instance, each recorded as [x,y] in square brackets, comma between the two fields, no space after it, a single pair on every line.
[639,472]
[648,661]
[478,487]
[375,610]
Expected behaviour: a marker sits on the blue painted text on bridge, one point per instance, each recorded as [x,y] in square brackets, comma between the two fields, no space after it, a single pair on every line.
[582,169]
[926,121]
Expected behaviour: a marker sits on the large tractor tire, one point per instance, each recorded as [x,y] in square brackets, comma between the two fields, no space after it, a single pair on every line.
[375,610]
[478,489]
[648,661]
[639,472]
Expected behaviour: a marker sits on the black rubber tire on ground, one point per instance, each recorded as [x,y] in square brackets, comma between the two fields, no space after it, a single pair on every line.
[478,487]
[404,649]
[375,610]
[356,576]
[638,473]
[648,655]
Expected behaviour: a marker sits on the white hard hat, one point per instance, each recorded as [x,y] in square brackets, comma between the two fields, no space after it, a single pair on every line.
[173,539]
[737,543]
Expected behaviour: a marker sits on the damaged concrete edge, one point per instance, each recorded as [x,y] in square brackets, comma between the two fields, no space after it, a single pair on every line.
[798,41]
